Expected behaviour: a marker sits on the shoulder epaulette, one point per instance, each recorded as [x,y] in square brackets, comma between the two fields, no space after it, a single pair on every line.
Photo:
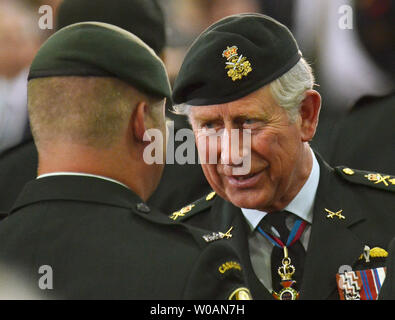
[193,208]
[372,179]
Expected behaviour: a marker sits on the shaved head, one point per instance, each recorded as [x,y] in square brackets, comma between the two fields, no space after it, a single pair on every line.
[92,111]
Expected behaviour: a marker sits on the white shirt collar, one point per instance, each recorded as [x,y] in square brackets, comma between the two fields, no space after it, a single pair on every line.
[80,174]
[301,205]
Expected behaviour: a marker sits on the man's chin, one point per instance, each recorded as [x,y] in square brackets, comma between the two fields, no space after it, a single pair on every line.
[242,200]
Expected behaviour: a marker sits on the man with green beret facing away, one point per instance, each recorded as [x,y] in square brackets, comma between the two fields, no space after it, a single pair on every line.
[297,223]
[19,165]
[82,229]
[145,19]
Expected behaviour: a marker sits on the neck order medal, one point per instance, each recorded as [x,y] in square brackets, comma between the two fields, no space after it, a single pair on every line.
[286,272]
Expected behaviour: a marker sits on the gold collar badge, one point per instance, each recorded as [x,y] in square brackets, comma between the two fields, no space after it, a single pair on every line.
[181,212]
[332,214]
[218,235]
[238,66]
[378,178]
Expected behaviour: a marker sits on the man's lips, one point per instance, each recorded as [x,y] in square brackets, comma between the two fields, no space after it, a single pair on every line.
[244,181]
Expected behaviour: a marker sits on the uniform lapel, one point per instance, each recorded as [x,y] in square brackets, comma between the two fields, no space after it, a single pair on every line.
[332,242]
[232,216]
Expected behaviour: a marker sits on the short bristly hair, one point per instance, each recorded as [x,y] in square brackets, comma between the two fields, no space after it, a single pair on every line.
[93,111]
[288,90]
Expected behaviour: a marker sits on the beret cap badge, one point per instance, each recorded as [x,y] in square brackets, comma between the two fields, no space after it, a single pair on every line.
[238,66]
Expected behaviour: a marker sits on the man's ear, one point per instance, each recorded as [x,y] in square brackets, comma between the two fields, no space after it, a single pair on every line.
[309,113]
[138,121]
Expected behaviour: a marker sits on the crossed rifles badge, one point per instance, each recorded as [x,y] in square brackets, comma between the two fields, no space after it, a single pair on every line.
[337,214]
[238,66]
[218,235]
[378,178]
[181,212]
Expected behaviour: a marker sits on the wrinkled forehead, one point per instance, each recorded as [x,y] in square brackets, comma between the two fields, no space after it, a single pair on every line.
[258,104]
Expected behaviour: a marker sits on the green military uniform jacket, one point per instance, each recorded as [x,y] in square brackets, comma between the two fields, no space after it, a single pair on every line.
[387,292]
[102,242]
[369,220]
[17,167]
[373,147]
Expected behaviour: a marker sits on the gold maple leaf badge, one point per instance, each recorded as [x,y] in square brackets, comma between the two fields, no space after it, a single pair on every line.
[238,66]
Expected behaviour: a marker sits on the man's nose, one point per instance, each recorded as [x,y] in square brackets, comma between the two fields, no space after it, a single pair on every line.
[231,147]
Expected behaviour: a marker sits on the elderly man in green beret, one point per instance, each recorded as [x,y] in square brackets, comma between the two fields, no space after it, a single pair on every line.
[82,229]
[297,223]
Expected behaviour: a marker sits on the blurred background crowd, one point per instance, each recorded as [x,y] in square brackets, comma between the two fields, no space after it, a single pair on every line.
[348,63]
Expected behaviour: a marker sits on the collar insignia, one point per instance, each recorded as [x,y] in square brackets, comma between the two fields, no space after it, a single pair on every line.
[378,178]
[332,214]
[238,66]
[218,235]
[181,212]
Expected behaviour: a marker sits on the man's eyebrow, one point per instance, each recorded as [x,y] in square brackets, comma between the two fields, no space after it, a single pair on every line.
[255,115]
[206,117]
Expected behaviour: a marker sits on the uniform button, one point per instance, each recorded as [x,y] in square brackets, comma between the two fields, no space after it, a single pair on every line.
[210,196]
[142,207]
[348,171]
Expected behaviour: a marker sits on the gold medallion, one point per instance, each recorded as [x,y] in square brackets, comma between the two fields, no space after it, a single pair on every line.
[286,271]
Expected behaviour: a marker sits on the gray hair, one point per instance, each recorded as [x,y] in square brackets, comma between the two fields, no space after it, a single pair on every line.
[288,90]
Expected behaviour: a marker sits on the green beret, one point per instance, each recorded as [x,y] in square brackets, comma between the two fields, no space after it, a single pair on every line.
[144,18]
[101,50]
[234,57]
